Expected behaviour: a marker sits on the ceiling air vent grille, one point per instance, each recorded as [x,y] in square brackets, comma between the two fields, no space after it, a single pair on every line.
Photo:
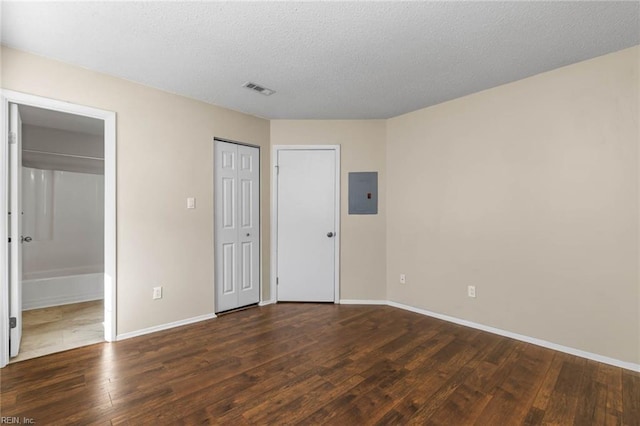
[258,88]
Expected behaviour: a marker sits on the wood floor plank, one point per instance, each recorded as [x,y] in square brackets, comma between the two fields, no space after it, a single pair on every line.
[549,382]
[563,402]
[600,412]
[311,402]
[534,417]
[441,396]
[465,405]
[587,407]
[514,396]
[630,398]
[319,364]
[612,378]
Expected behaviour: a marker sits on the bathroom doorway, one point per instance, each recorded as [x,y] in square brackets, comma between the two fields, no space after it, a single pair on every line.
[63,228]
[61,264]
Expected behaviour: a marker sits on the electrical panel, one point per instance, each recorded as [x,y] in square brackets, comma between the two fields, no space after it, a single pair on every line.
[363,193]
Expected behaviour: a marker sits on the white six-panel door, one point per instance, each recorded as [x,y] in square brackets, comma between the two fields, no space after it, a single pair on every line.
[306,225]
[236,225]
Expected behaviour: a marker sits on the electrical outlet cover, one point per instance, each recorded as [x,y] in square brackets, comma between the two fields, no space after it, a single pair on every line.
[471,291]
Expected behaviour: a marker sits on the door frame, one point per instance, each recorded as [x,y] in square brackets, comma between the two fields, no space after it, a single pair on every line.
[216,139]
[274,214]
[109,118]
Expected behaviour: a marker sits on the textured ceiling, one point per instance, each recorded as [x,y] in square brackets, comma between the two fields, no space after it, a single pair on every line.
[341,60]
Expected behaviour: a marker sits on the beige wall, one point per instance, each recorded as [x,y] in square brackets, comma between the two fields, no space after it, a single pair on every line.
[164,155]
[529,191]
[362,242]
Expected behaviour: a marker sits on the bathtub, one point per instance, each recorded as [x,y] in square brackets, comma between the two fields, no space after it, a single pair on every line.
[61,287]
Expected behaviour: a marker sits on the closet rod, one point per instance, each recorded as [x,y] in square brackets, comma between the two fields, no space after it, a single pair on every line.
[63,155]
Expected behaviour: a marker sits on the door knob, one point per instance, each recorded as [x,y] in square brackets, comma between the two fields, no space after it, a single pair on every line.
[26,239]
[329,234]
[248,234]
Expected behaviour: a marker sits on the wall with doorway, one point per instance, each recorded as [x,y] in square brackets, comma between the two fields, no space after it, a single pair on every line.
[527,190]
[363,239]
[164,155]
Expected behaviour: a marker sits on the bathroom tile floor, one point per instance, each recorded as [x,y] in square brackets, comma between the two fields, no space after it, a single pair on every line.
[60,328]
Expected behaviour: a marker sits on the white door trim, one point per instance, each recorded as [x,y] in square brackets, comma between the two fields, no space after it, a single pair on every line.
[274,215]
[109,118]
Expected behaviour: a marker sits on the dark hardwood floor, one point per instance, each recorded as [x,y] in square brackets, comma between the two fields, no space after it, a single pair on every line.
[319,363]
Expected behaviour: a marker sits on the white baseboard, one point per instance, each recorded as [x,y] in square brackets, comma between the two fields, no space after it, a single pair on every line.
[538,342]
[167,326]
[362,302]
[267,302]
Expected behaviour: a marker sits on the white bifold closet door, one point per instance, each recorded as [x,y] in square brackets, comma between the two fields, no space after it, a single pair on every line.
[236,225]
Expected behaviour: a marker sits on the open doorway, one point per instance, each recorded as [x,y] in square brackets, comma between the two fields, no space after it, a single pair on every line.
[63,231]
[59,173]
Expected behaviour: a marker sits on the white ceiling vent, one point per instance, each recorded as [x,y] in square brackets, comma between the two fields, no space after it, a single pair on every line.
[258,88]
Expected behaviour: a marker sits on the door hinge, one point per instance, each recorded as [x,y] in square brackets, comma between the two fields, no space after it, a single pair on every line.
[9,239]
[277,169]
[13,138]
[277,280]
[13,322]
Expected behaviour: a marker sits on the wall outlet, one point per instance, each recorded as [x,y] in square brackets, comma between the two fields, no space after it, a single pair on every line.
[157,292]
[403,279]
[471,291]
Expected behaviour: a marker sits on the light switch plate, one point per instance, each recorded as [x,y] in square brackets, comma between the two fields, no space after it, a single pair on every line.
[191,203]
[157,293]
